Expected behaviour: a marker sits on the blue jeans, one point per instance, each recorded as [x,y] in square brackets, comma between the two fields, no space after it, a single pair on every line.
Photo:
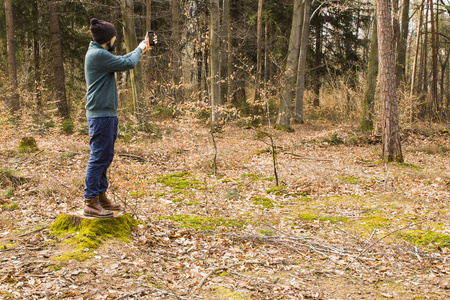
[103,133]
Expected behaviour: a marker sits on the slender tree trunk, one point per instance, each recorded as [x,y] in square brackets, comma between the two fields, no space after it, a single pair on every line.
[416,56]
[258,53]
[14,100]
[214,59]
[266,52]
[371,84]
[396,21]
[129,35]
[444,65]
[391,134]
[424,106]
[147,71]
[317,83]
[37,58]
[301,69]
[229,37]
[176,50]
[284,113]
[148,14]
[58,63]
[434,53]
[402,44]
[225,49]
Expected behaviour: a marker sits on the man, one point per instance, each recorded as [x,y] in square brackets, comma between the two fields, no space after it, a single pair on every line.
[101,112]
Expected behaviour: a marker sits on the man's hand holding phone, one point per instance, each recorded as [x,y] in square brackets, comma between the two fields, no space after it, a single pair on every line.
[150,41]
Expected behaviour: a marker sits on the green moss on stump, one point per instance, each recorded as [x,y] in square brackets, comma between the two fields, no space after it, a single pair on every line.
[28,145]
[88,235]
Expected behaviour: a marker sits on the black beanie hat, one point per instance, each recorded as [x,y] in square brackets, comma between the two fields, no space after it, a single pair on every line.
[102,31]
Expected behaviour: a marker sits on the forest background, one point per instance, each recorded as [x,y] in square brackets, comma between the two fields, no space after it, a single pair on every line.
[254,148]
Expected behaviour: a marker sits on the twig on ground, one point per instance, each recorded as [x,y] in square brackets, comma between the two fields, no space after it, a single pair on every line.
[308,157]
[206,197]
[138,158]
[215,152]
[379,240]
[35,231]
[163,291]
[223,268]
[387,176]
[199,286]
[274,153]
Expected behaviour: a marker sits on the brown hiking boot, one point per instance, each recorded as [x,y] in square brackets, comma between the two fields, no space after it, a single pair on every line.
[106,203]
[94,209]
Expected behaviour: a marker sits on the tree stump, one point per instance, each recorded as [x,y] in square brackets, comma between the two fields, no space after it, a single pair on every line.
[77,216]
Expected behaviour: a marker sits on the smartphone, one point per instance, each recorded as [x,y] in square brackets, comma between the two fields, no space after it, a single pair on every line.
[151,42]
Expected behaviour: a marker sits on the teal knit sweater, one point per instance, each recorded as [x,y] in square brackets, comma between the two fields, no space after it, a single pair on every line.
[102,98]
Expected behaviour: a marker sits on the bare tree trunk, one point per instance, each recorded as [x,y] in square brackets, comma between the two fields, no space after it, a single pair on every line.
[225,49]
[317,83]
[284,113]
[258,52]
[434,53]
[37,58]
[129,35]
[176,50]
[147,71]
[402,44]
[371,84]
[416,56]
[14,100]
[424,77]
[301,69]
[214,58]
[396,21]
[58,63]
[229,37]
[391,136]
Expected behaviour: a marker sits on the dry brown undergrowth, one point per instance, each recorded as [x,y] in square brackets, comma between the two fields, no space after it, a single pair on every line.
[342,226]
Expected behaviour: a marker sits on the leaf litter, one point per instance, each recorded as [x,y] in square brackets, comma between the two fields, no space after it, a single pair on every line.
[342,225]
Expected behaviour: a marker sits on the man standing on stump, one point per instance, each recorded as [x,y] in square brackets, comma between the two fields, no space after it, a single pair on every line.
[101,111]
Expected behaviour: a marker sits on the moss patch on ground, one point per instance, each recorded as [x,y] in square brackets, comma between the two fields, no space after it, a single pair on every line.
[179,182]
[276,190]
[10,206]
[427,238]
[28,145]
[263,202]
[204,223]
[313,217]
[221,292]
[7,246]
[88,235]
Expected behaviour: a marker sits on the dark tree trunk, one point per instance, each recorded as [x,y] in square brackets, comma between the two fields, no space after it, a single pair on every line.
[290,73]
[388,96]
[402,45]
[37,58]
[14,100]
[258,53]
[434,52]
[416,56]
[301,70]
[58,61]
[214,58]
[176,49]
[129,35]
[371,84]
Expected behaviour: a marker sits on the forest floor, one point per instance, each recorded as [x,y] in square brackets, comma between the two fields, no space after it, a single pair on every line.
[340,225]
